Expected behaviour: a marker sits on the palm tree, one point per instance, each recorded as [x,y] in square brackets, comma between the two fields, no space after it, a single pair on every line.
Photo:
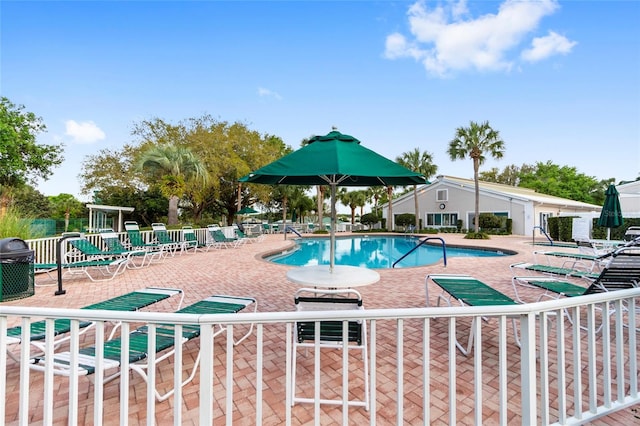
[374,193]
[475,141]
[419,162]
[173,166]
[353,200]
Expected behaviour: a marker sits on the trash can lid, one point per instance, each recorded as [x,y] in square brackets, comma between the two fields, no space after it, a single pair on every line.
[11,247]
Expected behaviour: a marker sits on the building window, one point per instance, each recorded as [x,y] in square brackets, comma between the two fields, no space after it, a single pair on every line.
[442,195]
[442,219]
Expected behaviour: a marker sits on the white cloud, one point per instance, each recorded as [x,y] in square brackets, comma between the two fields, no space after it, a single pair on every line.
[544,47]
[445,39]
[262,92]
[85,132]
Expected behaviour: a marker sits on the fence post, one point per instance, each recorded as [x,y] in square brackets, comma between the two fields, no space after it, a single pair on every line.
[528,368]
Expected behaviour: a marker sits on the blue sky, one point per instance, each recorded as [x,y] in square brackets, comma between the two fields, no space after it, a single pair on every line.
[560,80]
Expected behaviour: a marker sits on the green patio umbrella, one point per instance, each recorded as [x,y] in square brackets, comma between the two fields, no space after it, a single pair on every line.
[336,160]
[247,211]
[611,214]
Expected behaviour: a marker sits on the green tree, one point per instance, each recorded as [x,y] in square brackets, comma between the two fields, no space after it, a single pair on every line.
[510,175]
[475,142]
[174,166]
[111,170]
[64,206]
[564,181]
[227,151]
[27,200]
[322,191]
[419,162]
[149,206]
[22,158]
[375,194]
[353,200]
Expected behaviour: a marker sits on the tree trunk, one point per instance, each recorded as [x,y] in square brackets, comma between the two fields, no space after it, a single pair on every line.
[172,217]
[390,214]
[415,200]
[320,192]
[476,219]
[284,216]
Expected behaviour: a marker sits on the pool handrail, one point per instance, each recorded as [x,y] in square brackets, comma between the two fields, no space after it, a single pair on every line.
[543,232]
[444,250]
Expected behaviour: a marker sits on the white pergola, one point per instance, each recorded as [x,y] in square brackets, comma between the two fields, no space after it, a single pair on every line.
[98,216]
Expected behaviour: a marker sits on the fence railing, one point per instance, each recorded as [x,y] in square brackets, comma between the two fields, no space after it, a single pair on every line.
[562,372]
[45,248]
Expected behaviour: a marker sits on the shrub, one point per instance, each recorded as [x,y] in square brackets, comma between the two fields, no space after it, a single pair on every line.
[477,236]
[405,219]
[13,225]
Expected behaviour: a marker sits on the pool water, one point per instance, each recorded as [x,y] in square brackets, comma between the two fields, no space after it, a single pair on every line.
[374,252]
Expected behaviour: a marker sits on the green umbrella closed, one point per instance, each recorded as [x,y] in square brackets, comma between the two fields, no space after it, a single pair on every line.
[611,214]
[336,160]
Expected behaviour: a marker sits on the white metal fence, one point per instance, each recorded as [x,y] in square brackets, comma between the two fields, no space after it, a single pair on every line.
[564,372]
[45,248]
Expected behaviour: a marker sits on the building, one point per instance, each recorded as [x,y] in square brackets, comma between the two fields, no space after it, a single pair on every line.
[629,198]
[449,199]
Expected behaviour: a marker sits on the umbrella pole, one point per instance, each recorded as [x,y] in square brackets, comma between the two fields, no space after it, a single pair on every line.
[332,231]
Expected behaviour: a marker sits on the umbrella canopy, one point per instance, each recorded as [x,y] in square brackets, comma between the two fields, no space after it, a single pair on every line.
[335,159]
[247,210]
[611,214]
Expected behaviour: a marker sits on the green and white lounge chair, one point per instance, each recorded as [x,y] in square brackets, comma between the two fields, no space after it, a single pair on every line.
[163,238]
[137,242]
[94,269]
[191,240]
[554,270]
[138,258]
[246,237]
[621,272]
[84,258]
[468,291]
[165,342]
[132,301]
[219,240]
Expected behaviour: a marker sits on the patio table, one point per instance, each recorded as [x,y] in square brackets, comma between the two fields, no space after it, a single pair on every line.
[343,276]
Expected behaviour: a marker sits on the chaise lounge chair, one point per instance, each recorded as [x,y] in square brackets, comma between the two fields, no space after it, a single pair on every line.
[470,292]
[621,272]
[137,242]
[191,240]
[219,240]
[163,238]
[139,344]
[132,301]
[554,270]
[138,258]
[246,237]
[86,259]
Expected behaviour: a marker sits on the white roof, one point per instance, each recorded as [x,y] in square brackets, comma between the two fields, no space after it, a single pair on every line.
[515,192]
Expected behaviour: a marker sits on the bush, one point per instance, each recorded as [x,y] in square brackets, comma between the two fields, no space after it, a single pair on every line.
[477,236]
[369,219]
[12,224]
[405,219]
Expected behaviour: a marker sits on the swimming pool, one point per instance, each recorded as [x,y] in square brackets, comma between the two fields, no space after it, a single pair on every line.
[374,252]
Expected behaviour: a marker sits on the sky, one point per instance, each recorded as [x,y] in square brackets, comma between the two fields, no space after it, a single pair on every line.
[560,80]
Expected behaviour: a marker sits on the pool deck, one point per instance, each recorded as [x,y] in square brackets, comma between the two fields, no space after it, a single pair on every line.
[242,272]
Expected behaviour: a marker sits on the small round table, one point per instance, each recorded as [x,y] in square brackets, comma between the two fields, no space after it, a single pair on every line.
[342,276]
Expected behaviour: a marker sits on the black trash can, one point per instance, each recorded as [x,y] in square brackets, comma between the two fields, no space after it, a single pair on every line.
[16,269]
